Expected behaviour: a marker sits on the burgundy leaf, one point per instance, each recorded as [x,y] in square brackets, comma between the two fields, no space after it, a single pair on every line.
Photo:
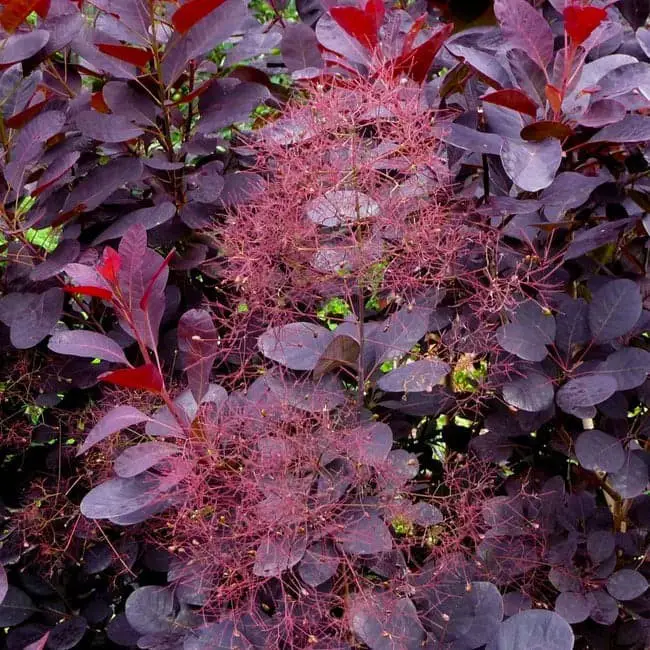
[92,345]
[603,112]
[134,55]
[416,62]
[115,420]
[192,12]
[538,131]
[512,98]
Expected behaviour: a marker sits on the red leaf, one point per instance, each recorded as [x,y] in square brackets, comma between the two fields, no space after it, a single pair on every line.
[361,24]
[579,22]
[133,55]
[98,103]
[192,12]
[42,8]
[514,99]
[554,97]
[16,11]
[85,290]
[110,265]
[416,62]
[19,120]
[145,377]
[412,33]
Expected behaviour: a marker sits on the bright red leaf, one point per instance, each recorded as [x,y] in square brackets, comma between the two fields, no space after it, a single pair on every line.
[554,97]
[417,62]
[15,12]
[192,12]
[98,103]
[361,24]
[110,265]
[133,55]
[145,377]
[86,290]
[579,22]
[42,8]
[514,99]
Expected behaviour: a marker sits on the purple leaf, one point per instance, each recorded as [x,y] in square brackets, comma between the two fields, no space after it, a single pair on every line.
[525,29]
[228,101]
[363,533]
[65,253]
[370,444]
[16,607]
[633,128]
[629,366]
[79,343]
[67,634]
[585,391]
[24,45]
[483,62]
[643,37]
[600,545]
[522,341]
[202,37]
[473,619]
[604,609]
[150,610]
[418,376]
[531,165]
[101,182]
[299,48]
[120,497]
[297,346]
[533,393]
[572,325]
[614,310]
[585,241]
[573,607]
[146,217]
[599,452]
[4,584]
[39,315]
[603,112]
[107,128]
[217,636]
[341,207]
[319,564]
[535,628]
[626,584]
[569,190]
[198,341]
[139,458]
[276,554]
[463,137]
[115,420]
[632,479]
[384,622]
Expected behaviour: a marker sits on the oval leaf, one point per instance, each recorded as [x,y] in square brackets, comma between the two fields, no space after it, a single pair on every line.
[91,345]
[599,452]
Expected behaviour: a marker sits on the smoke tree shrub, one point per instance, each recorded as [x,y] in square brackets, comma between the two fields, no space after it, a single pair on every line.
[328,327]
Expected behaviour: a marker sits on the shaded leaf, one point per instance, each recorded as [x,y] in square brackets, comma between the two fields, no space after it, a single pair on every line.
[520,340]
[599,451]
[632,479]
[614,310]
[39,315]
[16,607]
[67,634]
[626,584]
[150,610]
